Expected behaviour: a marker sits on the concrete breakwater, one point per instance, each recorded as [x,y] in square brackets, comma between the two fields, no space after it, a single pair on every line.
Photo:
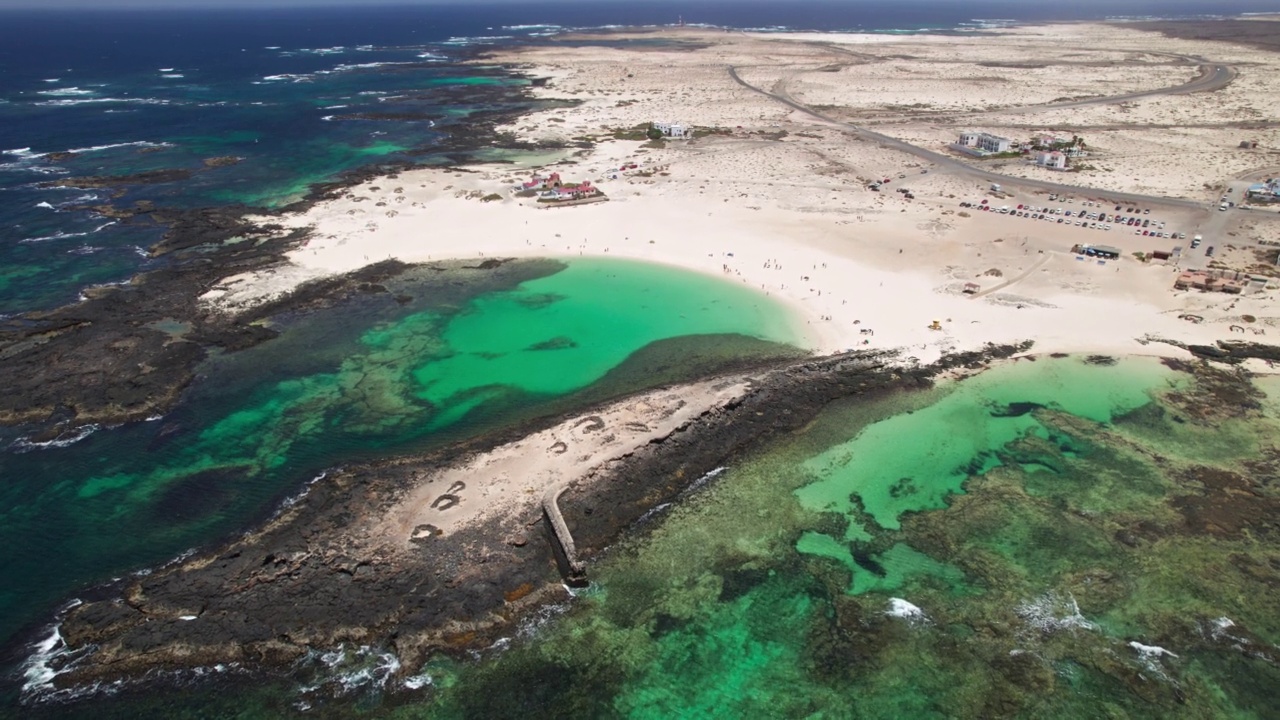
[566,552]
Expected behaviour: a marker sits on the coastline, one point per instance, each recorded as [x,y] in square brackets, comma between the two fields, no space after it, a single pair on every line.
[817,241]
[372,555]
[794,240]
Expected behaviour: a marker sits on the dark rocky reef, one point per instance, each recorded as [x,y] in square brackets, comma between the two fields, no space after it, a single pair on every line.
[300,583]
[106,360]
[100,360]
[1229,351]
[222,161]
[149,177]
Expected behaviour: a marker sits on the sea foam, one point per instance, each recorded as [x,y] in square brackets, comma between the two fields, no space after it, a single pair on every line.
[65,92]
[69,437]
[1052,613]
[900,608]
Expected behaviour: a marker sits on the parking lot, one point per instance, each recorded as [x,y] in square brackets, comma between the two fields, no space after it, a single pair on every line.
[1089,215]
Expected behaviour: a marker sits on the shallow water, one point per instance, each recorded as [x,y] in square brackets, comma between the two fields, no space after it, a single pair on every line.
[1043,561]
[361,381]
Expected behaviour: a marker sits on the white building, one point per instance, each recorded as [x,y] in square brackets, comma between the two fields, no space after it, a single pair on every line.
[675,131]
[994,143]
[1053,160]
[985,142]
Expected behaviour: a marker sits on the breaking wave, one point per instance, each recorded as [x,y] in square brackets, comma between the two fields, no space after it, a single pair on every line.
[1052,613]
[477,40]
[69,437]
[103,101]
[66,235]
[65,92]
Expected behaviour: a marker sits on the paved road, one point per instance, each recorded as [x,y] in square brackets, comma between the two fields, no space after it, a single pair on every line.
[956,166]
[1213,76]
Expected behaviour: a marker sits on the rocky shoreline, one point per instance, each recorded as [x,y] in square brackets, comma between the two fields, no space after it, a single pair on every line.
[312,577]
[106,360]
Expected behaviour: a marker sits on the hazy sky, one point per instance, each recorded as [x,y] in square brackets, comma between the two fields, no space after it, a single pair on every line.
[1172,6]
[254,3]
[227,3]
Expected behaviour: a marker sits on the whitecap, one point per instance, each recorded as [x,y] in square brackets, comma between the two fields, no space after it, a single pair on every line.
[417,682]
[367,66]
[334,107]
[1052,612]
[80,199]
[477,40]
[56,236]
[346,669]
[900,608]
[53,80]
[167,69]
[297,497]
[652,512]
[335,50]
[68,437]
[705,479]
[1150,652]
[534,622]
[112,146]
[45,205]
[65,235]
[172,76]
[291,77]
[272,47]
[535,26]
[327,118]
[65,92]
[103,100]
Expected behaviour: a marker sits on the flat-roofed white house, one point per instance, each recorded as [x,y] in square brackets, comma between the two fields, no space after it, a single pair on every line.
[994,143]
[675,131]
[1053,160]
[976,143]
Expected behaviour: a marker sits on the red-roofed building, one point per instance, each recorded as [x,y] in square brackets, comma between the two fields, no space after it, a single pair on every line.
[540,183]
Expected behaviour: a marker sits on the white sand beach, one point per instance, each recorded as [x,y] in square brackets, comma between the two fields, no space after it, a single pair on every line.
[776,199]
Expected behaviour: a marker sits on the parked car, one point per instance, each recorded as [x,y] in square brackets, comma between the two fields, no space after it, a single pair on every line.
[1209,251]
